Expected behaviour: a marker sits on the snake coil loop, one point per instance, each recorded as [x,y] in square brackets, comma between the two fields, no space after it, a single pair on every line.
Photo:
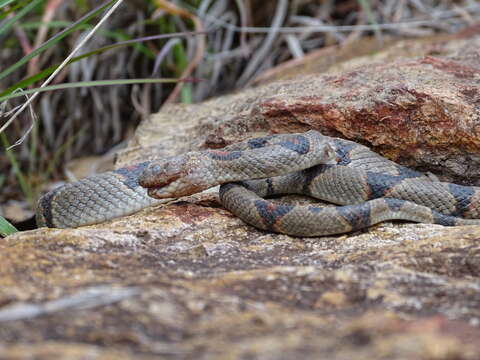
[369,188]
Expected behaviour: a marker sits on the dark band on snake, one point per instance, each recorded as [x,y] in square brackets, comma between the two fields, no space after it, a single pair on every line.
[370,188]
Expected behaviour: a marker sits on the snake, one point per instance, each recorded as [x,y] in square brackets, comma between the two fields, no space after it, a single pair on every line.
[366,188]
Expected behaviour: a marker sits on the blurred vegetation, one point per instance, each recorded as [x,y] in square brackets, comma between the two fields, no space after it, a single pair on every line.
[224,43]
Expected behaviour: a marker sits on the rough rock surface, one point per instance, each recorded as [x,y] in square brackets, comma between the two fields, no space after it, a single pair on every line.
[422,112]
[187,280]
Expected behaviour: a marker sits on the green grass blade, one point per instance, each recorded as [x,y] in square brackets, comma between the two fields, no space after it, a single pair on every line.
[13,8]
[5,2]
[24,185]
[90,83]
[6,228]
[46,72]
[365,4]
[182,63]
[55,39]
[116,35]
[15,19]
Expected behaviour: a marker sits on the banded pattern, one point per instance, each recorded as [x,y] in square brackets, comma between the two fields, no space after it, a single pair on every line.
[369,188]
[308,220]
[256,158]
[94,199]
[363,206]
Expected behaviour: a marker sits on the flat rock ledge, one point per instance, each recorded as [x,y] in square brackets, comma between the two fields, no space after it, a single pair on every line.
[187,280]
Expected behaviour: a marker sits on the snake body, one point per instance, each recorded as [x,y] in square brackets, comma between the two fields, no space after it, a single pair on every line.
[369,188]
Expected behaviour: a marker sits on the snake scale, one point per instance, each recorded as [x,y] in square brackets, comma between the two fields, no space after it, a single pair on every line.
[368,187]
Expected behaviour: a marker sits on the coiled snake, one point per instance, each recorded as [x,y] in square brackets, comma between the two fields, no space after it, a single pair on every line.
[369,188]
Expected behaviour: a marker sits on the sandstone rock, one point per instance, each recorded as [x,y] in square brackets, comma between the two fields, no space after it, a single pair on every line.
[423,113]
[187,280]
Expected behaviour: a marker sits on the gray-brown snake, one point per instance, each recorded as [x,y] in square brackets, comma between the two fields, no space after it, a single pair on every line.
[370,188]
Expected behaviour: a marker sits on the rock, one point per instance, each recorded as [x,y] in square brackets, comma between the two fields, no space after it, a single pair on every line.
[423,113]
[188,280]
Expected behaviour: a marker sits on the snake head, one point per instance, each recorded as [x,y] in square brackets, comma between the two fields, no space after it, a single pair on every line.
[170,178]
